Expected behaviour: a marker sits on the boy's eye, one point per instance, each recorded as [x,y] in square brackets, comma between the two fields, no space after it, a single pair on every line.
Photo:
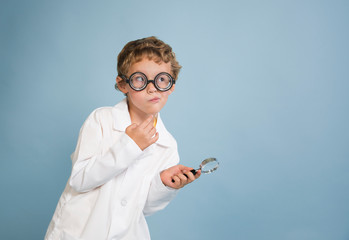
[139,79]
[163,81]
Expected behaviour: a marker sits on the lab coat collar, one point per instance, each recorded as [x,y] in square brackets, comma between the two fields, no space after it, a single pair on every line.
[122,120]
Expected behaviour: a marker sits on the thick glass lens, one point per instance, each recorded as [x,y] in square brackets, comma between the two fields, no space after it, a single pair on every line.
[163,81]
[138,80]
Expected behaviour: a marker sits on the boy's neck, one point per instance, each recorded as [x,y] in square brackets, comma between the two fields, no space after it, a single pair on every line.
[138,116]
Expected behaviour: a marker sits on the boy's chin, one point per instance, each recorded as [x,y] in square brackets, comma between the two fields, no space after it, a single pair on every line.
[153,112]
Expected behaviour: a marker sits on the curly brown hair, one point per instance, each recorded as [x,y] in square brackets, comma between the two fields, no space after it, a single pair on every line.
[150,47]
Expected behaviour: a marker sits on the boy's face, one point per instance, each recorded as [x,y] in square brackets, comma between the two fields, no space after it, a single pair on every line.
[149,100]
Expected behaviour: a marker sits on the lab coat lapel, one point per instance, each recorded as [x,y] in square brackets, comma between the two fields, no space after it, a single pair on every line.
[121,116]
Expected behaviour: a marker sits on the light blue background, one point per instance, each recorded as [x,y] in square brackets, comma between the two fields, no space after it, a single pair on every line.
[264,88]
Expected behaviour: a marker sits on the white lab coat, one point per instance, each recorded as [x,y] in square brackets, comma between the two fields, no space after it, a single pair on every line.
[113,183]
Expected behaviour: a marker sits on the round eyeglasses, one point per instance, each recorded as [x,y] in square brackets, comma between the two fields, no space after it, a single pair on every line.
[139,81]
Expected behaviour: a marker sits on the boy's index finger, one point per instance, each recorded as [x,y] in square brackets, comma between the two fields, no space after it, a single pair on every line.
[147,121]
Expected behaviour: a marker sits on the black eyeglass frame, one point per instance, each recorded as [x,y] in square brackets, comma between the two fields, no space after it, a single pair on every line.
[128,80]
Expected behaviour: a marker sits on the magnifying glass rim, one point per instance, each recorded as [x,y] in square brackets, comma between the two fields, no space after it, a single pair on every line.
[207,160]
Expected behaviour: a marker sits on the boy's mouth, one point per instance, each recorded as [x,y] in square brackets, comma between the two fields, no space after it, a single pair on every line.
[154,100]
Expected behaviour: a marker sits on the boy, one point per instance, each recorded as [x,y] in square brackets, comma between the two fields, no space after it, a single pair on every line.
[124,165]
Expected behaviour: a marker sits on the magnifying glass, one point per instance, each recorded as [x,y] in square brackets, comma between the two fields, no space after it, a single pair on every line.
[207,166]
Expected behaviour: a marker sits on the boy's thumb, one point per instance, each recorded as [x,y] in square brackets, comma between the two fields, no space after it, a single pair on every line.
[132,126]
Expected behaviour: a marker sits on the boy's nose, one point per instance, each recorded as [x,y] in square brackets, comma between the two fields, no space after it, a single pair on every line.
[151,87]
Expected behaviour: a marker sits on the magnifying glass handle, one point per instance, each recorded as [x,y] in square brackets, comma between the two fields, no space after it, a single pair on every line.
[193,171]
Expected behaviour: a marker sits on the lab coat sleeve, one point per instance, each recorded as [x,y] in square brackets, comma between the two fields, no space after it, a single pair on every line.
[159,195]
[96,159]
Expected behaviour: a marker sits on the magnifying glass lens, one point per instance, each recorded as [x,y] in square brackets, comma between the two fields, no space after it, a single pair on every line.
[209,165]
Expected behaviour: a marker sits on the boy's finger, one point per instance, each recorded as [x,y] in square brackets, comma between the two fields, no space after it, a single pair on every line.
[155,138]
[189,175]
[147,122]
[150,124]
[198,174]
[184,168]
[175,179]
[182,177]
[152,131]
[132,126]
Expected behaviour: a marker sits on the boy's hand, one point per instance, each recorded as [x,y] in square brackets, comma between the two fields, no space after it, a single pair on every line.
[174,176]
[143,134]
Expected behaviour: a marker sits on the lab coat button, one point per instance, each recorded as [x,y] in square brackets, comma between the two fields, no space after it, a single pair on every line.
[124,202]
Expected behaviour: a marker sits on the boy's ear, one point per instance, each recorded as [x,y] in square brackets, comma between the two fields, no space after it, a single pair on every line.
[121,84]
